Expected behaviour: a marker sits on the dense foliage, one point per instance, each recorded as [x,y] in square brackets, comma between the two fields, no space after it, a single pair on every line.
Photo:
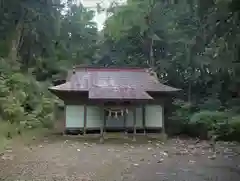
[39,42]
[191,44]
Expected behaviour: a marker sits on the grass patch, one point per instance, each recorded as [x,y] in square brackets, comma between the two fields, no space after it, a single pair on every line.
[4,142]
[33,135]
[13,133]
[6,130]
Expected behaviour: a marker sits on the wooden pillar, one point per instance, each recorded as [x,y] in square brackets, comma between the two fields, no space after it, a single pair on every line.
[144,119]
[163,133]
[163,122]
[65,119]
[134,124]
[84,119]
[102,125]
[104,122]
[55,111]
[125,122]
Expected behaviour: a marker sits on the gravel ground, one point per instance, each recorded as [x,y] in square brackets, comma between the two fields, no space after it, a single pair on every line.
[74,159]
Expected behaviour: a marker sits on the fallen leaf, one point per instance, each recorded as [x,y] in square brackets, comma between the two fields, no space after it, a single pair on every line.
[160,161]
[212,157]
[65,141]
[164,153]
[192,161]
[159,173]
[9,151]
[7,157]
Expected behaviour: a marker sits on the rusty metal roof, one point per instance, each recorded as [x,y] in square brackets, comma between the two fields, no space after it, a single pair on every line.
[110,82]
[118,93]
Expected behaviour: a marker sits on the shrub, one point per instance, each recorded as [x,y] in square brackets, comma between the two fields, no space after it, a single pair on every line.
[178,121]
[204,121]
[23,100]
[234,126]
[210,104]
[8,130]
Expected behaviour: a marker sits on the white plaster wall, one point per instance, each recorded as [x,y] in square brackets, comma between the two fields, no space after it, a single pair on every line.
[94,117]
[74,116]
[139,118]
[154,116]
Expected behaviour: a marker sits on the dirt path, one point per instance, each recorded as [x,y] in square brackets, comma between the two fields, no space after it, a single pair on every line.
[74,159]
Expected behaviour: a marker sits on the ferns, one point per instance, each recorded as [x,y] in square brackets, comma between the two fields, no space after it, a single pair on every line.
[24,101]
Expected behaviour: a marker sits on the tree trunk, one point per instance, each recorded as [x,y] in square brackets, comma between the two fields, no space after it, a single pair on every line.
[190,64]
[151,56]
[189,91]
[13,52]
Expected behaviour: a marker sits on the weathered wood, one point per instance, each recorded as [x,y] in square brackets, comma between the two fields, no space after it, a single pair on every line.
[163,122]
[163,133]
[144,119]
[102,125]
[125,122]
[85,119]
[65,120]
[104,122]
[134,124]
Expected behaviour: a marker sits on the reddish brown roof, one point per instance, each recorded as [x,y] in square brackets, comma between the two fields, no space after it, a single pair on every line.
[117,93]
[117,83]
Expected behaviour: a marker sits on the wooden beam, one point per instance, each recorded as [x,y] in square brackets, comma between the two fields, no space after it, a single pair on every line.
[134,124]
[84,119]
[144,119]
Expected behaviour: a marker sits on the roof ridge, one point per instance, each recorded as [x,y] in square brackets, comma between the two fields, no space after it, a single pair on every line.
[82,66]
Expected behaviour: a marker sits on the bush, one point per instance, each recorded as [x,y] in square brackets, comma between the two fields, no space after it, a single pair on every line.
[8,130]
[209,118]
[178,121]
[204,121]
[234,129]
[23,100]
[210,104]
